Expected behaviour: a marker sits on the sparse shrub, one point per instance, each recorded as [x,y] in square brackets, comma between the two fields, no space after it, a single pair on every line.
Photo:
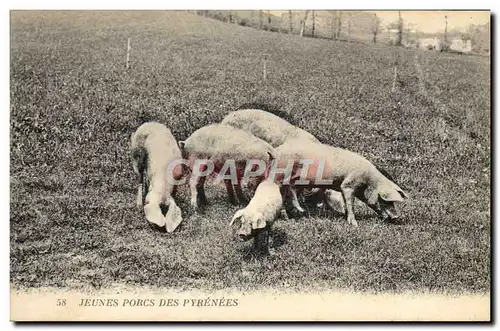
[243,22]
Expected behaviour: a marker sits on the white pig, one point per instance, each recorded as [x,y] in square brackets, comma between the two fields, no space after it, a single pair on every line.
[219,143]
[256,219]
[153,147]
[344,171]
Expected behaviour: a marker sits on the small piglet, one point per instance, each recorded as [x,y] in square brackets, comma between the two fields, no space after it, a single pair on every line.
[256,219]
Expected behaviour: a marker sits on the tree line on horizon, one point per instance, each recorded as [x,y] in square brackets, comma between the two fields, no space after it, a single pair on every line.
[348,26]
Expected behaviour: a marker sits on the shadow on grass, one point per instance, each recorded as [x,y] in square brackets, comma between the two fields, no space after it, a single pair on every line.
[362,212]
[247,251]
[279,237]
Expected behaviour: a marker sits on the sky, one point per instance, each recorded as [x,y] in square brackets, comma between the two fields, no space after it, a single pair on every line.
[433,21]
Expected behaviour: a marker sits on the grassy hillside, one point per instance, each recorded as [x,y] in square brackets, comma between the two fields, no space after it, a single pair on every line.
[73,107]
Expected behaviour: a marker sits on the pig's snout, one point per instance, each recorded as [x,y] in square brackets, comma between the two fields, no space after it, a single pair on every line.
[245,232]
[393,214]
[244,237]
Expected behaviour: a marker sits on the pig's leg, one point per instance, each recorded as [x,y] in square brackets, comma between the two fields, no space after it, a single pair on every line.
[261,242]
[140,198]
[295,200]
[178,174]
[200,187]
[195,191]
[135,166]
[242,199]
[167,195]
[241,196]
[348,195]
[230,192]
[320,196]
[174,191]
[142,191]
[312,195]
[140,177]
[253,183]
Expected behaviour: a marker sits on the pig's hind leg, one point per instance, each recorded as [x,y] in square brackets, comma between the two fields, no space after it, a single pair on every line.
[295,200]
[230,192]
[242,198]
[198,197]
[347,188]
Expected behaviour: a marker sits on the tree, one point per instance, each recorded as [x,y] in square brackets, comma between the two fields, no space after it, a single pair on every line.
[399,39]
[349,27]
[446,43]
[467,35]
[339,25]
[445,29]
[375,27]
[303,24]
[480,38]
[314,22]
[333,23]
[202,13]
[290,18]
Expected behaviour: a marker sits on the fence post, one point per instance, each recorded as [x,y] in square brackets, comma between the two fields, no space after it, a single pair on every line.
[265,67]
[395,74]
[128,52]
[394,78]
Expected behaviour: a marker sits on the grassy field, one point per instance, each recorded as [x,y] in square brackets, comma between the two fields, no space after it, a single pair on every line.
[73,219]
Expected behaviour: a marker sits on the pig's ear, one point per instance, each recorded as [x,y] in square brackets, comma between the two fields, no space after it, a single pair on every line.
[153,214]
[391,194]
[236,220]
[181,144]
[403,194]
[173,217]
